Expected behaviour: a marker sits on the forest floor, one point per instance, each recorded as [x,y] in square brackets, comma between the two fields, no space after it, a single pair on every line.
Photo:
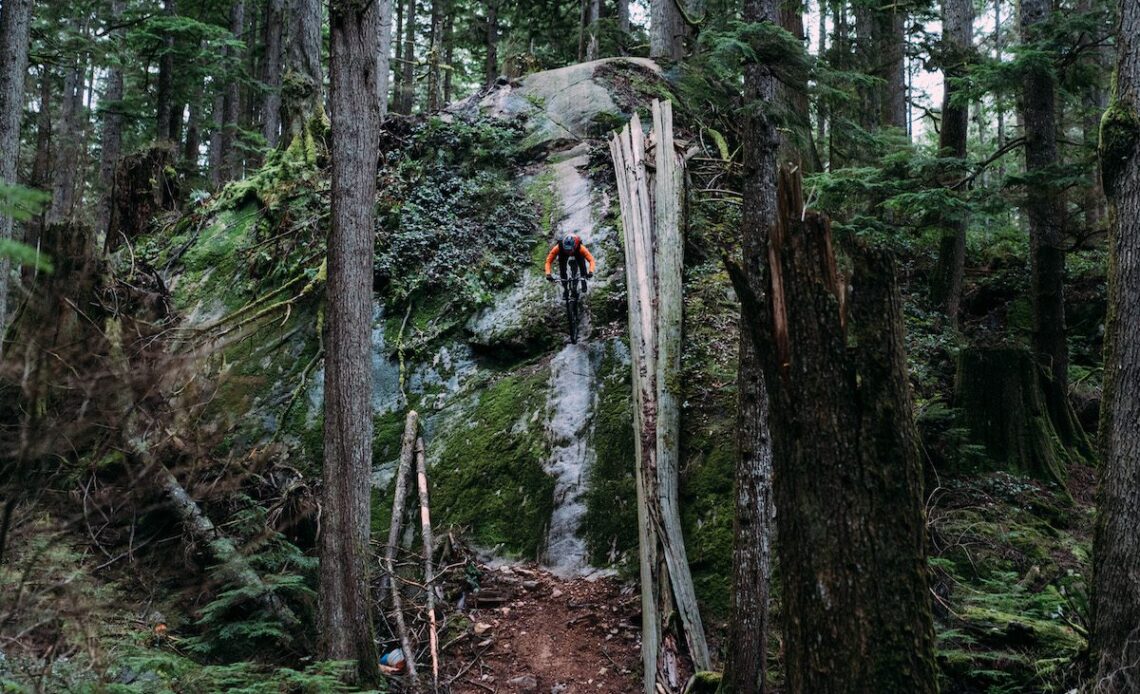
[535,632]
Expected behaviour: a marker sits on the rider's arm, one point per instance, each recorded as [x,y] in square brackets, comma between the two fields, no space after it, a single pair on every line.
[550,257]
[586,254]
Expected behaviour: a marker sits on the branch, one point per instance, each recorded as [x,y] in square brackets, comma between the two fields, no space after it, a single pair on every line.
[1005,149]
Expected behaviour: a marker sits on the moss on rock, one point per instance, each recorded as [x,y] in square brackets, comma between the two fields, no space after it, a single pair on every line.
[610,523]
[487,470]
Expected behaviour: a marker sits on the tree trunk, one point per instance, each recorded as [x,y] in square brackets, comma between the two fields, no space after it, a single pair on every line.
[165,97]
[848,485]
[448,55]
[998,391]
[1116,548]
[593,14]
[491,66]
[435,56]
[111,105]
[623,16]
[653,248]
[217,117]
[1045,210]
[667,30]
[384,57]
[302,93]
[272,72]
[398,46]
[346,606]
[957,47]
[746,664]
[193,140]
[69,147]
[407,77]
[231,104]
[15,16]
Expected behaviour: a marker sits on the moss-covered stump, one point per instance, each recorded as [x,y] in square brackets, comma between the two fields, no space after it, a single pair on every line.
[998,392]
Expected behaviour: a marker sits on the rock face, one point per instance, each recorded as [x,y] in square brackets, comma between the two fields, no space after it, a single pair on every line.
[510,411]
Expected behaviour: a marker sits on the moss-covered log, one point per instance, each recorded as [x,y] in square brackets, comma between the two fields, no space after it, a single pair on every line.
[998,391]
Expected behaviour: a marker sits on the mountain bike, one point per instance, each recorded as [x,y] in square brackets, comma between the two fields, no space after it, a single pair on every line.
[570,295]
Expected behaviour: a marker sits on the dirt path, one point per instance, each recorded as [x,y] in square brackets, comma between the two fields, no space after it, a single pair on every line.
[535,632]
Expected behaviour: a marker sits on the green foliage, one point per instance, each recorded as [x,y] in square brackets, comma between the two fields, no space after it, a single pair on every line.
[451,221]
[143,670]
[239,621]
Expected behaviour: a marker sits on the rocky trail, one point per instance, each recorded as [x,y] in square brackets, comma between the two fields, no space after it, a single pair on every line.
[536,632]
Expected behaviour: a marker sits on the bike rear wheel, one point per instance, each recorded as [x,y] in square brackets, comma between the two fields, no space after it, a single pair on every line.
[572,306]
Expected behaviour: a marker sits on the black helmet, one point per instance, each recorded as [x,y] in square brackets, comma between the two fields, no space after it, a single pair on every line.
[569,244]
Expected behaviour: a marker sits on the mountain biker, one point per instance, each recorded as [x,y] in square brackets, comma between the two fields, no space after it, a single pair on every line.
[570,249]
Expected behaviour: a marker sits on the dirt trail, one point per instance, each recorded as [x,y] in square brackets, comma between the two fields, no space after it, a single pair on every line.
[536,632]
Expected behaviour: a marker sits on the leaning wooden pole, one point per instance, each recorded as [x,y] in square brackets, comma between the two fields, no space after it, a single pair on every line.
[651,209]
[668,250]
[621,149]
[429,572]
[407,455]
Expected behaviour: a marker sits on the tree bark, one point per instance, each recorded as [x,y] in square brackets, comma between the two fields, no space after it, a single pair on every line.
[407,76]
[667,30]
[593,14]
[346,607]
[491,41]
[302,92]
[1045,211]
[957,47]
[217,118]
[111,106]
[435,57]
[848,486]
[165,97]
[448,54]
[653,248]
[1116,548]
[231,104]
[384,57]
[15,18]
[69,146]
[746,664]
[272,71]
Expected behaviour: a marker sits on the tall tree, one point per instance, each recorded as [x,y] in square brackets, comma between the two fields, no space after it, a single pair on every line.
[15,18]
[231,101]
[848,479]
[1116,549]
[491,42]
[346,606]
[69,146]
[302,95]
[164,100]
[957,48]
[667,30]
[746,664]
[384,57]
[408,61]
[272,70]
[1045,211]
[111,107]
[435,55]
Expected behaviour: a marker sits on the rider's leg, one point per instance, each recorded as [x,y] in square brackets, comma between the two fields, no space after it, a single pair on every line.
[582,270]
[562,273]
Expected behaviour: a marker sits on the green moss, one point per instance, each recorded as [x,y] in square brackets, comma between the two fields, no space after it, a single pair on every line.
[488,475]
[610,523]
[1119,135]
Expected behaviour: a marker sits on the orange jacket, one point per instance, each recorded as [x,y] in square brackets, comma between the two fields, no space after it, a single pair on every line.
[558,249]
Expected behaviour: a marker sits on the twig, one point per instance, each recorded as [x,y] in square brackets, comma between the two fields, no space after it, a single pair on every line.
[407,453]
